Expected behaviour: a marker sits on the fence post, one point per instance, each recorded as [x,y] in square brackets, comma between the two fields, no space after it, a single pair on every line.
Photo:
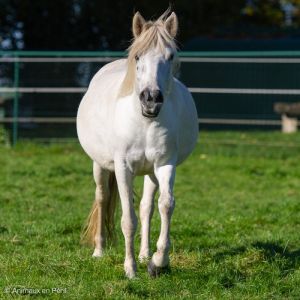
[16,101]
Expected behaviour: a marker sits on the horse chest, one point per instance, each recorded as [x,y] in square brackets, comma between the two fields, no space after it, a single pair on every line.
[142,155]
[142,161]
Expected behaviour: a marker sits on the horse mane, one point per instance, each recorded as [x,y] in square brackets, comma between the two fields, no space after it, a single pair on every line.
[153,35]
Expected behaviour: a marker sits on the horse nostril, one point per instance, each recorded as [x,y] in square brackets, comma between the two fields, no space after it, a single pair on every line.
[145,95]
[158,96]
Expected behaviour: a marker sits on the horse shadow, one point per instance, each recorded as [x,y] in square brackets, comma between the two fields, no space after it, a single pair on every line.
[271,251]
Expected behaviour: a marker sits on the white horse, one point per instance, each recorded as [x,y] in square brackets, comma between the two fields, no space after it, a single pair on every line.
[137,119]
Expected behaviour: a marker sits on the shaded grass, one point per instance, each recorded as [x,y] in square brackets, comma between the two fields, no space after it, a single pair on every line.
[235,229]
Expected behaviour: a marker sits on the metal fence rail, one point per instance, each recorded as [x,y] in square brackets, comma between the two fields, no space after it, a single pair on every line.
[244,57]
[67,90]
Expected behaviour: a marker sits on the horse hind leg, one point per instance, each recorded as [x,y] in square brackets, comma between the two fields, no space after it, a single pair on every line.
[146,212]
[101,199]
[95,229]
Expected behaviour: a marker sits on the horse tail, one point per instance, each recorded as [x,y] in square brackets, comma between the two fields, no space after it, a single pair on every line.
[92,223]
[111,207]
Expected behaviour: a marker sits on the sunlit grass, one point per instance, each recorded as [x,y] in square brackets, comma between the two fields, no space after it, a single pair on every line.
[235,229]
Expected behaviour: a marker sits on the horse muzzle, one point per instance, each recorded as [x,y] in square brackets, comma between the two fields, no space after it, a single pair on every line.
[151,102]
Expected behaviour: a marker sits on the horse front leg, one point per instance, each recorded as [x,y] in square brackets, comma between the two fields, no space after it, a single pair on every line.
[129,220]
[146,212]
[166,203]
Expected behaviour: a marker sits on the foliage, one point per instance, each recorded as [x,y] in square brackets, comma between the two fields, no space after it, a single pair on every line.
[106,25]
[235,229]
[272,12]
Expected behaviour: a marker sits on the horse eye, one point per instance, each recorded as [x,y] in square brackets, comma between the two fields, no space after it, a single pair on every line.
[136,57]
[171,56]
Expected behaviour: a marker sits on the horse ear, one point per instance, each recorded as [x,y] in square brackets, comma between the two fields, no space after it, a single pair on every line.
[171,25]
[137,24]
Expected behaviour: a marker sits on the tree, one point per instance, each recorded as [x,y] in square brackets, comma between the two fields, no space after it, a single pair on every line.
[106,24]
[280,13]
[101,25]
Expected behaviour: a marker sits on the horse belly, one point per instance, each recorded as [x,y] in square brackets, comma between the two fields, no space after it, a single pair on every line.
[96,149]
[187,138]
[94,141]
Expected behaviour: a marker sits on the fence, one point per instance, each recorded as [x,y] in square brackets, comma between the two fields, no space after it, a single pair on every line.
[231,89]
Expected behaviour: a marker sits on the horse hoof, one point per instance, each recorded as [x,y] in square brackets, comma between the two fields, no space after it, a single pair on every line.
[155,271]
[130,270]
[97,253]
[130,274]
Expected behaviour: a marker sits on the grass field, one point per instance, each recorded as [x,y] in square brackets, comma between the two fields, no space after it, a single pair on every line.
[235,230]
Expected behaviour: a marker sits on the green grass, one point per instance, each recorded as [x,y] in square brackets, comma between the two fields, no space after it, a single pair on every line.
[235,229]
